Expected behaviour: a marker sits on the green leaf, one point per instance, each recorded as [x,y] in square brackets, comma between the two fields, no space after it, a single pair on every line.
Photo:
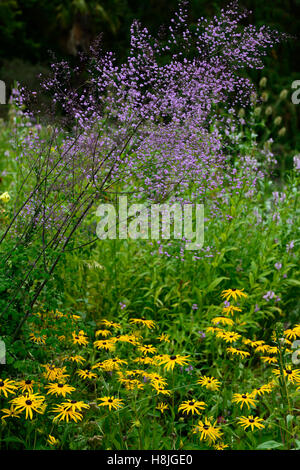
[269,445]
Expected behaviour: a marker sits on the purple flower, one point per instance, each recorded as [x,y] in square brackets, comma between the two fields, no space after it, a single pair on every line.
[269,295]
[278,266]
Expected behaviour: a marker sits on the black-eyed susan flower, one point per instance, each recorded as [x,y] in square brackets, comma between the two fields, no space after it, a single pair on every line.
[25,385]
[65,413]
[77,358]
[228,336]
[244,399]
[223,321]
[220,446]
[162,407]
[53,373]
[29,403]
[209,382]
[75,405]
[169,362]
[233,293]
[111,402]
[269,360]
[108,345]
[104,333]
[144,360]
[113,364]
[291,334]
[192,406]
[164,337]
[147,349]
[250,421]
[7,386]
[86,374]
[161,390]
[52,441]
[157,380]
[293,375]
[111,324]
[231,309]
[131,384]
[238,352]
[10,413]
[38,339]
[80,338]
[208,430]
[262,348]
[261,390]
[59,389]
[143,322]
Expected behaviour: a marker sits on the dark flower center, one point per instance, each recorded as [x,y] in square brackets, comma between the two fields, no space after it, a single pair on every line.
[1,383]
[60,385]
[28,402]
[73,402]
[251,420]
[110,400]
[289,371]
[191,403]
[205,427]
[244,396]
[173,358]
[28,382]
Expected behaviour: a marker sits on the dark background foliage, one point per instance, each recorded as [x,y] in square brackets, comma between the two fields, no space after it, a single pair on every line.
[30,28]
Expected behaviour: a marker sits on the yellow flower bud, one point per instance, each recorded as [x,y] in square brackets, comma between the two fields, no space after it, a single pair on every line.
[5,197]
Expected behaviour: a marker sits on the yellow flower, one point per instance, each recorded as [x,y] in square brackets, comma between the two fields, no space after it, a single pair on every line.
[208,431]
[113,364]
[220,446]
[65,413]
[238,352]
[147,349]
[53,373]
[209,382]
[59,389]
[142,321]
[75,405]
[223,321]
[5,197]
[30,402]
[162,407]
[111,324]
[109,345]
[38,339]
[234,293]
[111,402]
[250,421]
[7,386]
[10,413]
[161,390]
[231,309]
[26,385]
[192,405]
[228,336]
[52,441]
[80,338]
[269,360]
[244,399]
[103,333]
[86,374]
[164,337]
[261,390]
[293,375]
[77,358]
[170,361]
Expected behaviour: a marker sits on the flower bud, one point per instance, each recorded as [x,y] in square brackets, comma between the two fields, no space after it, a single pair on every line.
[278,120]
[263,82]
[283,94]
[5,197]
[265,96]
[257,111]
[282,132]
[269,111]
